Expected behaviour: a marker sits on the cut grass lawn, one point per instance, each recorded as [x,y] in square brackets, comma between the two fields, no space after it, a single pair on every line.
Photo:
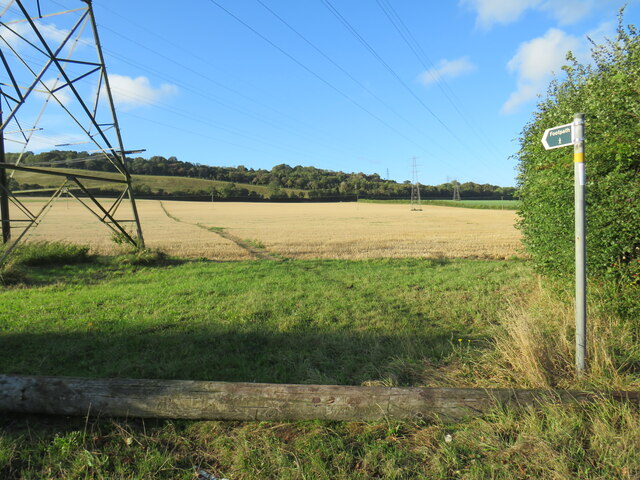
[388,322]
[344,322]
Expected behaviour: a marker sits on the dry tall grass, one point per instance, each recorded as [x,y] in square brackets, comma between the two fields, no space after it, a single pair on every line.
[335,230]
[535,345]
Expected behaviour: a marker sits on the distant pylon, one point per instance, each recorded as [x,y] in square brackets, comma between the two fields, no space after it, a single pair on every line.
[415,187]
[456,190]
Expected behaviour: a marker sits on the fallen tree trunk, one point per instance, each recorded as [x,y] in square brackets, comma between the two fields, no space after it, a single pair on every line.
[202,400]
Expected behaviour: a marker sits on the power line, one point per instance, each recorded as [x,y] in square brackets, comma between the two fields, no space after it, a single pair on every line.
[219,126]
[249,98]
[336,64]
[207,95]
[427,64]
[375,54]
[313,73]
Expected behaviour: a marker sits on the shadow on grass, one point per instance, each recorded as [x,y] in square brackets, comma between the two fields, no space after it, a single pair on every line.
[96,270]
[306,357]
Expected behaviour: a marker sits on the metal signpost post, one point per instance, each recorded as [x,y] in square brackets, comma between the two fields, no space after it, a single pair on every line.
[562,136]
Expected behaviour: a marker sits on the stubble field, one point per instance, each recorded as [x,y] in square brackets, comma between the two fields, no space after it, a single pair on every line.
[240,231]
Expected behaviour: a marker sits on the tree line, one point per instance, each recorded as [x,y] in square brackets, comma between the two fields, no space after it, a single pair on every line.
[317,183]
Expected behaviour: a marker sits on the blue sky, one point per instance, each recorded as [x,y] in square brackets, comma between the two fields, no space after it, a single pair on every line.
[333,83]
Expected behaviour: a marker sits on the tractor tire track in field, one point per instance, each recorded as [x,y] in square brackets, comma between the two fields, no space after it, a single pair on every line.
[259,253]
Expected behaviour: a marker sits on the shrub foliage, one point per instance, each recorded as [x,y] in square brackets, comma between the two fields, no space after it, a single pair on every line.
[607,90]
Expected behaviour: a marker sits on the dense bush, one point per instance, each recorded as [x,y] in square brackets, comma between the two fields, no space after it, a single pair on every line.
[608,91]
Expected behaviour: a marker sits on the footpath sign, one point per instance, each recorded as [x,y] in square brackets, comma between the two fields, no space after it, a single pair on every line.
[557,137]
[563,136]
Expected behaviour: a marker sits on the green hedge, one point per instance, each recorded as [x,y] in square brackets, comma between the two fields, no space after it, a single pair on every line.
[608,92]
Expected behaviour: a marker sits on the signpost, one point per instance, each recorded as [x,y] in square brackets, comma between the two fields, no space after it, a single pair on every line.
[557,137]
[562,136]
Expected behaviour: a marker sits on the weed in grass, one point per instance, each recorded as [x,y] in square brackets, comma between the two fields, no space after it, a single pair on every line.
[40,254]
[589,442]
[552,441]
[119,238]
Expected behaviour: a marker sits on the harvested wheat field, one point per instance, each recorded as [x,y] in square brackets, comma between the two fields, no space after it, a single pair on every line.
[238,231]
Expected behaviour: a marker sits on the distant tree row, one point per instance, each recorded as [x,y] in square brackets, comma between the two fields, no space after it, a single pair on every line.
[317,182]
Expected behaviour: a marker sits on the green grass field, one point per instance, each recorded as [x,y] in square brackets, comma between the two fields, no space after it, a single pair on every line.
[484,204]
[156,183]
[332,322]
[375,322]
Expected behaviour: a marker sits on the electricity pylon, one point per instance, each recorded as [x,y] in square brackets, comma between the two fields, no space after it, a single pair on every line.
[456,190]
[415,187]
[55,92]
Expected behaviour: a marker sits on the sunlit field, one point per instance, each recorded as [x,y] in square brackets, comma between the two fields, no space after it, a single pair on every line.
[237,231]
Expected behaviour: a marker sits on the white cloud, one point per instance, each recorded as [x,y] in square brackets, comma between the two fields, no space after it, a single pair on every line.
[446,68]
[491,12]
[40,141]
[52,34]
[567,12]
[52,84]
[499,11]
[535,62]
[131,92]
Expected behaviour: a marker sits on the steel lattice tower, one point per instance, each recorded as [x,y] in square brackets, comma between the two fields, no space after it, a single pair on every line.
[58,71]
[415,187]
[456,190]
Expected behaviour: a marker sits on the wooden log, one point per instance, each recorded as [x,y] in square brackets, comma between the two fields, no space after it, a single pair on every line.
[186,399]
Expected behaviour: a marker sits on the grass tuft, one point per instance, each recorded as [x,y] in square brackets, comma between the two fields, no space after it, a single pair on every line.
[254,243]
[12,274]
[44,254]
[535,344]
[143,257]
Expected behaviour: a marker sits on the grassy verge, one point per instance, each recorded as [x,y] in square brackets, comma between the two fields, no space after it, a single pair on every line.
[594,442]
[329,322]
[383,322]
[483,204]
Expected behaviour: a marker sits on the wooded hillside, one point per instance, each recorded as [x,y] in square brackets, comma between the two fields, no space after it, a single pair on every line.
[282,181]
